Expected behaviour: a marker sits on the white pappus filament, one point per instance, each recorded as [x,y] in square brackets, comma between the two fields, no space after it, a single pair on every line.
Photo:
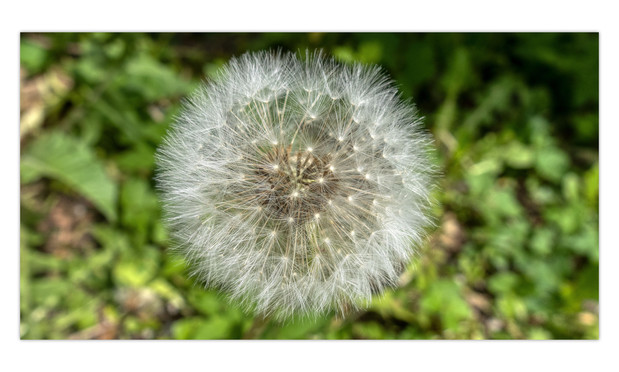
[297,186]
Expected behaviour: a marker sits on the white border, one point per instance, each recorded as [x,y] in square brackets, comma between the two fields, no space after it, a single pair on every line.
[309,16]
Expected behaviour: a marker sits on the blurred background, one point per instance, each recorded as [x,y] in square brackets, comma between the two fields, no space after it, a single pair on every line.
[514,254]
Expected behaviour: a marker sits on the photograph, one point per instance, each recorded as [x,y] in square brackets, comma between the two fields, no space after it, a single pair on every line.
[309,185]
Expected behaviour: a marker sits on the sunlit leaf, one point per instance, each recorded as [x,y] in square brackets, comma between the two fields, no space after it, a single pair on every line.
[66,159]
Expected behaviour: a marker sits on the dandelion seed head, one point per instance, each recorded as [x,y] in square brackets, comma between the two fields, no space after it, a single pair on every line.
[281,189]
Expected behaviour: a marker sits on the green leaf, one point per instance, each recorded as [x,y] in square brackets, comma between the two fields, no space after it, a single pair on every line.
[137,266]
[542,241]
[552,163]
[518,156]
[134,273]
[139,207]
[141,158]
[152,79]
[568,218]
[543,275]
[344,53]
[64,158]
[592,185]
[369,330]
[32,56]
[168,292]
[512,307]
[52,292]
[571,187]
[585,243]
[299,328]
[538,333]
[459,73]
[216,327]
[587,284]
[207,302]
[90,71]
[184,329]
[370,51]
[502,283]
[444,298]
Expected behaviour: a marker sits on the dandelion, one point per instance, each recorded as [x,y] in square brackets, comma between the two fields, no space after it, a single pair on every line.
[297,186]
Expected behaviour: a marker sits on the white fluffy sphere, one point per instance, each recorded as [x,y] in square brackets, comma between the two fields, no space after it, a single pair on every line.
[297,186]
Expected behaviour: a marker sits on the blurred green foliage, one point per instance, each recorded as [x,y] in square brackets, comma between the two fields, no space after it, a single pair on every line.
[514,254]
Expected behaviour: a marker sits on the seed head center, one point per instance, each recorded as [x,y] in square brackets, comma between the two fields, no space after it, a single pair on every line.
[295,184]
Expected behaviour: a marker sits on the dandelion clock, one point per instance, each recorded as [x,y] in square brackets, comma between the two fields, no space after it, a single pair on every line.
[297,186]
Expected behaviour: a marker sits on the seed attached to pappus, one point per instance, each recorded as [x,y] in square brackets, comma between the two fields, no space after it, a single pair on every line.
[297,186]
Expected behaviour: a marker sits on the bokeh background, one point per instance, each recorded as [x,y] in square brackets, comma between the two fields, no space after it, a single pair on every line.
[514,254]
